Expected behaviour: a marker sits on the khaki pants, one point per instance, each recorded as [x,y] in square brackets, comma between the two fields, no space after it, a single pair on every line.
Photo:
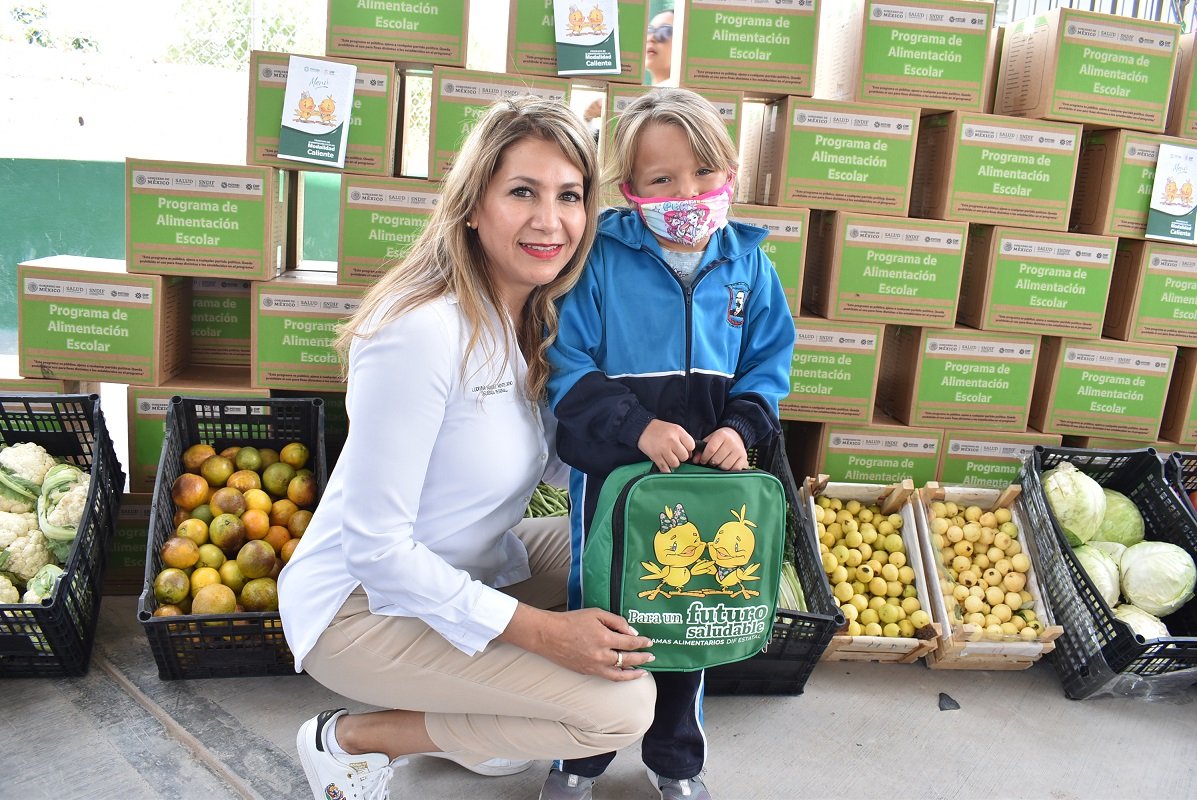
[503,702]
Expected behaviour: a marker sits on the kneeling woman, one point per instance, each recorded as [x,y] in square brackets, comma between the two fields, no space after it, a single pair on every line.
[417,587]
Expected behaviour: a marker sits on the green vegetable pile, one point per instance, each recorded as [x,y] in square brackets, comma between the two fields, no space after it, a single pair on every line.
[42,504]
[548,501]
[1140,580]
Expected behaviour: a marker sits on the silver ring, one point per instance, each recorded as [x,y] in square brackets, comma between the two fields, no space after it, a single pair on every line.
[619,659]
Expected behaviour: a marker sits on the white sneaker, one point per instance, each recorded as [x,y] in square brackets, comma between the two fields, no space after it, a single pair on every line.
[365,777]
[492,768]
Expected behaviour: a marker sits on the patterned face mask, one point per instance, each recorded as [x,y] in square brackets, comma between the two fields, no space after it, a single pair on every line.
[685,221]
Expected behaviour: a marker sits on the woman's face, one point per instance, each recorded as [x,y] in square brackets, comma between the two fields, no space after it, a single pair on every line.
[658,46]
[530,218]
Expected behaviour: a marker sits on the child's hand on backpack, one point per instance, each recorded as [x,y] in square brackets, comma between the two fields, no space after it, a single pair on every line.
[667,445]
[725,450]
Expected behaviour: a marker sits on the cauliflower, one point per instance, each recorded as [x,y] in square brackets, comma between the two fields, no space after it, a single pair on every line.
[23,547]
[27,461]
[41,586]
[16,503]
[13,526]
[8,592]
[69,511]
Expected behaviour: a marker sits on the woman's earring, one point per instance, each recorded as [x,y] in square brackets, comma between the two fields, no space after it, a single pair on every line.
[471,225]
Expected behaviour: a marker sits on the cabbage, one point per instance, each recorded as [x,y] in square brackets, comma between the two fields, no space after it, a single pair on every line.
[1141,622]
[1158,577]
[1077,501]
[1112,549]
[1122,521]
[1101,569]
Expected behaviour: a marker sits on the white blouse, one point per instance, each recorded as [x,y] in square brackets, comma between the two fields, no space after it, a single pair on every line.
[435,472]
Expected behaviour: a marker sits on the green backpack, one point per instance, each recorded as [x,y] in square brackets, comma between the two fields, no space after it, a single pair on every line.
[691,559]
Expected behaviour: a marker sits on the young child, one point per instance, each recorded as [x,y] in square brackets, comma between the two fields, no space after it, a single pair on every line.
[674,346]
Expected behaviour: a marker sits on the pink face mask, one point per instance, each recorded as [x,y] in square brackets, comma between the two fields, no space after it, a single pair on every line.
[684,220]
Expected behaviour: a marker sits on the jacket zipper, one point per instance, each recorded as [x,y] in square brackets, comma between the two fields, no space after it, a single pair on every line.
[688,294]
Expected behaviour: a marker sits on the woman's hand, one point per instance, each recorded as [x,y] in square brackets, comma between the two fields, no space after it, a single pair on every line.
[725,450]
[667,445]
[589,641]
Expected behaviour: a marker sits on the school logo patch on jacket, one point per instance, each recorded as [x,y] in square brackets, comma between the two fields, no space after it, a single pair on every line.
[737,302]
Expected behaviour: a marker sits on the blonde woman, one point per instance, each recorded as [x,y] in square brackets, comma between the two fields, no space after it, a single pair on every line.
[417,588]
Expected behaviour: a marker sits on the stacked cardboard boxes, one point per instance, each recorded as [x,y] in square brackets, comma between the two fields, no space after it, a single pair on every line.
[957,214]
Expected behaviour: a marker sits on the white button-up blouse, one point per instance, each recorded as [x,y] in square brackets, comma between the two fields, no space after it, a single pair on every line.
[437,469]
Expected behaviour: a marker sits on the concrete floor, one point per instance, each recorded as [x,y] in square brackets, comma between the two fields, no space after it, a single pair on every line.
[860,731]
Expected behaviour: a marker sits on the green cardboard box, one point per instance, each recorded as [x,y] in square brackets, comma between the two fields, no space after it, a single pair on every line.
[1153,295]
[995,170]
[380,220]
[89,319]
[883,269]
[1114,180]
[461,97]
[1182,110]
[882,451]
[406,31]
[295,317]
[930,54]
[1029,281]
[220,321]
[532,42]
[761,49]
[205,220]
[785,245]
[1090,67]
[1101,388]
[1180,410]
[957,377]
[147,407]
[830,155]
[11,381]
[124,572]
[833,372]
[990,459]
[374,128]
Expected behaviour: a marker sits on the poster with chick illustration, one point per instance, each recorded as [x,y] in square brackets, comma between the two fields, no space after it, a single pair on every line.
[587,37]
[316,107]
[1172,215]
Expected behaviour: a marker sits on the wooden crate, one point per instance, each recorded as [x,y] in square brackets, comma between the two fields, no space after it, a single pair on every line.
[961,645]
[892,498]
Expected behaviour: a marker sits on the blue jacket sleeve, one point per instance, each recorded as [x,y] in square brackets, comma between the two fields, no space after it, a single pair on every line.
[590,407]
[763,373]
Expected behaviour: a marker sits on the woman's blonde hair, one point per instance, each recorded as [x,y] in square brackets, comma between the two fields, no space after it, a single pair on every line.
[448,257]
[694,114]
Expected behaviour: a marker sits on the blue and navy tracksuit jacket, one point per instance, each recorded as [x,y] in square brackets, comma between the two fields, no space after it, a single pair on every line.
[635,344]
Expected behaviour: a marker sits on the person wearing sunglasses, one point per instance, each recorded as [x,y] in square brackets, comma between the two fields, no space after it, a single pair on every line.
[658,48]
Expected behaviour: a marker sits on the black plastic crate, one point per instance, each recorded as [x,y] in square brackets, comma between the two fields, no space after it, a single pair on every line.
[1181,469]
[222,645]
[56,637]
[799,637]
[1096,645]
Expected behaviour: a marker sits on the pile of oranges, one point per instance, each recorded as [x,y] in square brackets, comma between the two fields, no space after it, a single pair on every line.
[239,514]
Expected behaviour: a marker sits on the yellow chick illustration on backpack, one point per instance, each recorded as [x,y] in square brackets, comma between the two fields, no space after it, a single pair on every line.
[677,546]
[730,551]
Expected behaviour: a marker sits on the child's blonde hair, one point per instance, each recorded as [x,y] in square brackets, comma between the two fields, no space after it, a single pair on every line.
[691,112]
